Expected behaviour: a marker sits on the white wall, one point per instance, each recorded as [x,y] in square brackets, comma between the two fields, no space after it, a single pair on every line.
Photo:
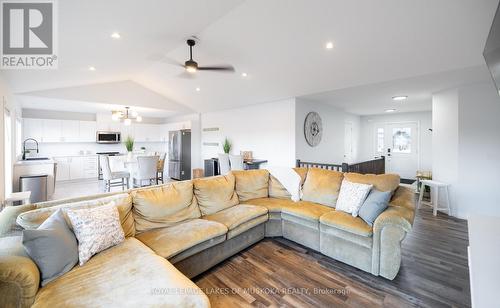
[367,144]
[7,100]
[479,151]
[331,148]
[466,148]
[445,141]
[266,129]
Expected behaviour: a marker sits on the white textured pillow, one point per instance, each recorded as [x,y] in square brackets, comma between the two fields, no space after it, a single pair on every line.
[96,229]
[351,197]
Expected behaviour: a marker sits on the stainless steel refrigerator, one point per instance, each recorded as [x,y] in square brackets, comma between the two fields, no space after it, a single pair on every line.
[179,154]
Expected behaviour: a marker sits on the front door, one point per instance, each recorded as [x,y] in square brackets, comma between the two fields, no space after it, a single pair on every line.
[399,143]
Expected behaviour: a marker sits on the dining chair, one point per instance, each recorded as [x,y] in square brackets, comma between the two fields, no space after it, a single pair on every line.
[147,167]
[236,162]
[109,176]
[224,167]
[161,167]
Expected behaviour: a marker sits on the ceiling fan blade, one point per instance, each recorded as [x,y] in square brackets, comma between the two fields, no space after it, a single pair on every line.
[187,75]
[172,62]
[226,68]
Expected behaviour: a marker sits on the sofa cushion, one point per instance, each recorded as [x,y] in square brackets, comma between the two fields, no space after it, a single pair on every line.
[34,218]
[382,182]
[345,221]
[53,247]
[164,206]
[128,274]
[215,193]
[273,205]
[244,215]
[168,242]
[307,210]
[277,190]
[322,186]
[251,184]
[351,197]
[96,229]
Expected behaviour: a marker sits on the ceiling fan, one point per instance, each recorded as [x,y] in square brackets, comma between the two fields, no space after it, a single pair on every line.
[191,66]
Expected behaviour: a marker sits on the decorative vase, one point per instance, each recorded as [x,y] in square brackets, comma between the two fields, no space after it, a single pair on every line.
[130,155]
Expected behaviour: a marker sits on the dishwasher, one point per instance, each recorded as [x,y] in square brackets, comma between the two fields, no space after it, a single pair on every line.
[37,184]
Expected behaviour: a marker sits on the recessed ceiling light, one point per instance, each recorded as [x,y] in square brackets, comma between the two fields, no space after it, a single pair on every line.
[115,35]
[399,98]
[390,110]
[329,45]
[198,89]
[91,68]
[244,74]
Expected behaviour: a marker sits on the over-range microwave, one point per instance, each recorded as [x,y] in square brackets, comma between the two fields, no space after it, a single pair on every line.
[108,137]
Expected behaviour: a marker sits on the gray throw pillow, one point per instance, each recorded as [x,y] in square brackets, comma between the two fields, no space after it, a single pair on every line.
[53,247]
[376,202]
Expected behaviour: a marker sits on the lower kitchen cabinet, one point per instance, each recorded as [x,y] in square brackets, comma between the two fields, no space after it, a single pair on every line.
[76,167]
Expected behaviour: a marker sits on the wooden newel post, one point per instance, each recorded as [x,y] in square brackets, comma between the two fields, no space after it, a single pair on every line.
[345,167]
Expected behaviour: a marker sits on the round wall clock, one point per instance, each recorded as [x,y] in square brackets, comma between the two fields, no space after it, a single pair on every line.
[313,129]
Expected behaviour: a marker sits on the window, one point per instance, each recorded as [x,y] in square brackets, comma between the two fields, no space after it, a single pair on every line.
[380,140]
[401,140]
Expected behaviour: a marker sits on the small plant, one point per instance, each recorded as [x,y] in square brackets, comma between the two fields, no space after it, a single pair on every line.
[129,143]
[226,146]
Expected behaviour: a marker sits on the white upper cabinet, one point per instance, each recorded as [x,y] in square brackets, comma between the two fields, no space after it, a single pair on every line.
[32,128]
[88,131]
[70,131]
[51,131]
[48,130]
[148,132]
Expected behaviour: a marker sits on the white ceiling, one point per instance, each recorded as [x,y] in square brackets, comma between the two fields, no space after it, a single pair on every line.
[376,98]
[279,43]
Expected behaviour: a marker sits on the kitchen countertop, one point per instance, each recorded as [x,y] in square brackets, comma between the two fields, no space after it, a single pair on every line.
[34,162]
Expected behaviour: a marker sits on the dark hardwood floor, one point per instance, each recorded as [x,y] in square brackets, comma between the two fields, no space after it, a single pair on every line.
[277,272]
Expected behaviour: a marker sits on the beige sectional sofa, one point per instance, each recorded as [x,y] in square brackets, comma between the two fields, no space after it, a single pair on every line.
[179,230]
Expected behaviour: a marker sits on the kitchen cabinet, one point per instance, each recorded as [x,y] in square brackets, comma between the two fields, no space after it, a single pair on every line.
[88,131]
[148,132]
[62,169]
[70,131]
[32,128]
[51,130]
[76,167]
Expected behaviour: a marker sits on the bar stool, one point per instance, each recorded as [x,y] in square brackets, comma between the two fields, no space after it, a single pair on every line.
[435,186]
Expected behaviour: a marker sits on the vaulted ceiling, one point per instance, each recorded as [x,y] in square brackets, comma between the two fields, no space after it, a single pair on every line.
[280,44]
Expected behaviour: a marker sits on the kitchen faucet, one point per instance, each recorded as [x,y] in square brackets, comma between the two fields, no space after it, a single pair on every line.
[24,147]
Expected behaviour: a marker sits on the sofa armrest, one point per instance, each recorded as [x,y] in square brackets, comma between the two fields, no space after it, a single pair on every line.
[8,218]
[395,216]
[19,281]
[389,230]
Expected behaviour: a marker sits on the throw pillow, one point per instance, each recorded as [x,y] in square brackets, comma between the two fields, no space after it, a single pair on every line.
[96,229]
[52,247]
[376,202]
[352,196]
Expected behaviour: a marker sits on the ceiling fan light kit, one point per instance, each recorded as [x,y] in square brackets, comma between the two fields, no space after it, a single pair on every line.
[192,67]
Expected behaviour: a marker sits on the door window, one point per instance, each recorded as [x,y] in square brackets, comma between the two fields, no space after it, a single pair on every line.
[380,140]
[401,140]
